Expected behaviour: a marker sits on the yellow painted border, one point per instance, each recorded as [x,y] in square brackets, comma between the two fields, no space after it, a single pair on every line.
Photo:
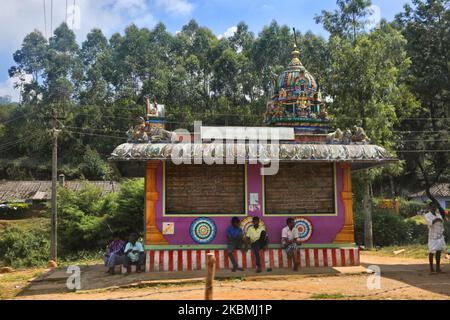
[301,214]
[174,215]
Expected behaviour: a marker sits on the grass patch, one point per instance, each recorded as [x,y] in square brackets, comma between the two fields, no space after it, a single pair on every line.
[13,283]
[411,251]
[328,296]
[24,224]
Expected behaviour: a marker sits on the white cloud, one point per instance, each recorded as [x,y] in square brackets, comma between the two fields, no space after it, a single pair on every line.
[108,15]
[7,87]
[175,7]
[228,33]
[374,19]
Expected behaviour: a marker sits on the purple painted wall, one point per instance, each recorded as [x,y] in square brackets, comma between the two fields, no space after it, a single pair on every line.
[325,228]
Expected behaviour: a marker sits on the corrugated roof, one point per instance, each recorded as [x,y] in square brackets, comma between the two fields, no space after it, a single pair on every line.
[438,190]
[41,190]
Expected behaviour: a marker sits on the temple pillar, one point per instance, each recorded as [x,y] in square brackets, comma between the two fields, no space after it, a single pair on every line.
[152,234]
[347,233]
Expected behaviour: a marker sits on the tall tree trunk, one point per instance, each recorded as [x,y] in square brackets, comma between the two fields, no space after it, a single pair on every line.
[394,200]
[367,204]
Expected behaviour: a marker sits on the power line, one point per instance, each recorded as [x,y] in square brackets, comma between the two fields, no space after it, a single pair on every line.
[73,15]
[67,3]
[95,134]
[9,145]
[19,117]
[51,17]
[45,21]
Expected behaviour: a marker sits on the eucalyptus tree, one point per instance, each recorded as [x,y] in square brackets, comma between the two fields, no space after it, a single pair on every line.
[426,140]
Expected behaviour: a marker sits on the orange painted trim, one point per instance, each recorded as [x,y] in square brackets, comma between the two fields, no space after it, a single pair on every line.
[152,234]
[347,233]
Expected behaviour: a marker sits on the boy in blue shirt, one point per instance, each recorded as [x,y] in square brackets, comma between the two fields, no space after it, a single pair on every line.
[235,238]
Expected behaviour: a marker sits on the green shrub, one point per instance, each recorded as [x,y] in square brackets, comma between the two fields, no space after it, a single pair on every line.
[25,248]
[14,211]
[82,217]
[392,229]
[128,215]
[94,167]
[410,208]
[389,228]
[87,218]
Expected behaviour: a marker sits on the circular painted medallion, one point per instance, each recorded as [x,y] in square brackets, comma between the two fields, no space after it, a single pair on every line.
[304,227]
[203,230]
[248,222]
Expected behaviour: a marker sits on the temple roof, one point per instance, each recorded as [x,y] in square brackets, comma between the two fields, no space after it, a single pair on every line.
[361,156]
[296,99]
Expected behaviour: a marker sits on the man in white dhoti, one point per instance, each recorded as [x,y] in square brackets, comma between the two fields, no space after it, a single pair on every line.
[436,241]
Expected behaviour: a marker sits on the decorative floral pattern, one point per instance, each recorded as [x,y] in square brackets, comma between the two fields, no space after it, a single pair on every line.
[203,230]
[304,227]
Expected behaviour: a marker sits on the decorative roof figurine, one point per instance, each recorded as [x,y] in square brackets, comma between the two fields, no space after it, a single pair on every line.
[151,129]
[296,100]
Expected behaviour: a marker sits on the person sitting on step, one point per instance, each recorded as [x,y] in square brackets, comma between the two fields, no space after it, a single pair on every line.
[235,238]
[114,255]
[258,238]
[290,241]
[134,253]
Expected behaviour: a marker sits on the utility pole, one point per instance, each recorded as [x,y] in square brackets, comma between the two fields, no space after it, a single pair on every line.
[54,203]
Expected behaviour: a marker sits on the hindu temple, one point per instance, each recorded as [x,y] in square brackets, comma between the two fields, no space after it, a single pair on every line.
[195,183]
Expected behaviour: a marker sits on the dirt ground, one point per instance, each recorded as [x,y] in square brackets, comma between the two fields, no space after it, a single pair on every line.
[401,278]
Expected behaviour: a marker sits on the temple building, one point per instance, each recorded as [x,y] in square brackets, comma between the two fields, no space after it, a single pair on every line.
[293,167]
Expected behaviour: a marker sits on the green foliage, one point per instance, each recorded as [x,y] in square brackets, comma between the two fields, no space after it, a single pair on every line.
[348,20]
[94,166]
[14,210]
[82,217]
[87,218]
[393,229]
[426,27]
[25,248]
[410,208]
[128,215]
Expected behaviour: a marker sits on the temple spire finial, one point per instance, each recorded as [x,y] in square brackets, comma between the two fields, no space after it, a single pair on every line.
[295,52]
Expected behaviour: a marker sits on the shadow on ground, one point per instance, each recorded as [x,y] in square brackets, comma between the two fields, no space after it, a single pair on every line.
[94,277]
[413,274]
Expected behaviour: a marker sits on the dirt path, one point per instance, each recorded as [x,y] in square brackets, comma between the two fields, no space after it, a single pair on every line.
[401,278]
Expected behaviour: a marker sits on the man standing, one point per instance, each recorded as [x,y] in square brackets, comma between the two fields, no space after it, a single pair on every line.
[436,241]
[289,240]
[258,239]
[134,253]
[235,238]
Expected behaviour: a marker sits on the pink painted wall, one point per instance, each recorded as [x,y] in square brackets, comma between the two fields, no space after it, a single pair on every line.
[325,228]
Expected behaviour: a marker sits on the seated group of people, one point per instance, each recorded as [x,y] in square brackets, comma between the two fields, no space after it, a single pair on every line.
[258,239]
[132,252]
[121,253]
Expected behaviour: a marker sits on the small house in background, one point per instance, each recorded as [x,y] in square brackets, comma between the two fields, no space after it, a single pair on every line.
[37,193]
[440,191]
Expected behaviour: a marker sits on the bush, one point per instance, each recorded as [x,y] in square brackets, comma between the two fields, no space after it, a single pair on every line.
[410,208]
[82,216]
[14,211]
[128,215]
[87,219]
[94,167]
[388,228]
[25,248]
[392,229]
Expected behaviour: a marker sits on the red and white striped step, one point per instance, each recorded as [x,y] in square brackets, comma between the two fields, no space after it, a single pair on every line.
[188,260]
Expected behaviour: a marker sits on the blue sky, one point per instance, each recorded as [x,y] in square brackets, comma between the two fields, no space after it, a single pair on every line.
[114,15]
